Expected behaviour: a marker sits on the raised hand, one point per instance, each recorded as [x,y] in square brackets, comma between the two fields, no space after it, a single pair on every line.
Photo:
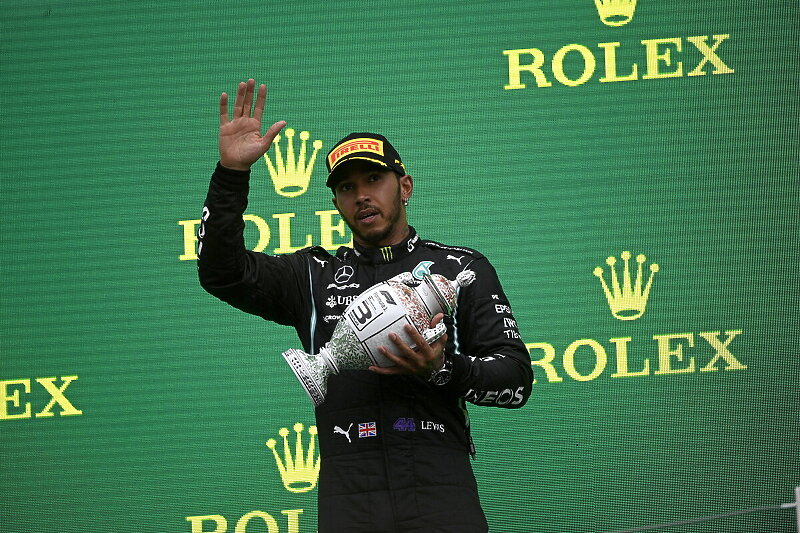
[240,141]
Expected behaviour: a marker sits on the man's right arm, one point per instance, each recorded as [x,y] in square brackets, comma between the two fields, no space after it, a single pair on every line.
[266,286]
[253,282]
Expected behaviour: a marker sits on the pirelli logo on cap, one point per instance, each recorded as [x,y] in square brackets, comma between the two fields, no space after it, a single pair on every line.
[363,144]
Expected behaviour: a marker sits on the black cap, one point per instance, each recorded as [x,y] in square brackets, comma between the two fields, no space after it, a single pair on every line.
[370,147]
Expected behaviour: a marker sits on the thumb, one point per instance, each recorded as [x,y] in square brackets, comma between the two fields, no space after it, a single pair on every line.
[272,132]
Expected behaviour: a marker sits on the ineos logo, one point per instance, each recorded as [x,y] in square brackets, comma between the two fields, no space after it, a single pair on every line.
[344,274]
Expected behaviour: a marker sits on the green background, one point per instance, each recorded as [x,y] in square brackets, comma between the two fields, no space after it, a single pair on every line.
[109,119]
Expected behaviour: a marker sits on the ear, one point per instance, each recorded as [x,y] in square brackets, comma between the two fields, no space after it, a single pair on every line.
[335,204]
[406,186]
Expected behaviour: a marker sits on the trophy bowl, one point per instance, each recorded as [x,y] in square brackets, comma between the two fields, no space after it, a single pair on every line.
[366,323]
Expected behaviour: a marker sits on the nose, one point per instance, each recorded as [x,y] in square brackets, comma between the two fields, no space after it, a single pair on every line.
[362,194]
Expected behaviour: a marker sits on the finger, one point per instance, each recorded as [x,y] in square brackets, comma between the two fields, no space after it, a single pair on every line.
[440,342]
[405,348]
[237,104]
[414,358]
[260,100]
[398,360]
[416,338]
[438,318]
[438,348]
[223,109]
[248,97]
[388,370]
[273,132]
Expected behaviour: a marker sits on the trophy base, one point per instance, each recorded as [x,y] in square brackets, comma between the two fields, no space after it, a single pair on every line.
[311,372]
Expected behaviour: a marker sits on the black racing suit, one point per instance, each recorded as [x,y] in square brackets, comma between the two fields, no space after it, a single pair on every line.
[395,449]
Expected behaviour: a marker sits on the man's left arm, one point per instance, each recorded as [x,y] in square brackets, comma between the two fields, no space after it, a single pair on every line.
[490,364]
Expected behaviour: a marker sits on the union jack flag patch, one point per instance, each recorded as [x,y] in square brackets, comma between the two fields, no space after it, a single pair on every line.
[367,429]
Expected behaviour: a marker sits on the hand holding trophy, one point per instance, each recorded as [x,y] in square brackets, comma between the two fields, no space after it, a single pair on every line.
[384,308]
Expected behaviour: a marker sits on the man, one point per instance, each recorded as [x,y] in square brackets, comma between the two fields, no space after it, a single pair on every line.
[394,441]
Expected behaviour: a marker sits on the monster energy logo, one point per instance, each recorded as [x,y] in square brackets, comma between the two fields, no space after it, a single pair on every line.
[386,252]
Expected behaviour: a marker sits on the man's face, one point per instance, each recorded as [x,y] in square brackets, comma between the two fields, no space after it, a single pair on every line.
[370,200]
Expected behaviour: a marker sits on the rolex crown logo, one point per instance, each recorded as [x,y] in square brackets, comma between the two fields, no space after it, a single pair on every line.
[291,173]
[615,12]
[629,301]
[299,472]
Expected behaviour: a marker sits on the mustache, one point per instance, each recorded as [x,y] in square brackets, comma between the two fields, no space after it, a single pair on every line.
[367,210]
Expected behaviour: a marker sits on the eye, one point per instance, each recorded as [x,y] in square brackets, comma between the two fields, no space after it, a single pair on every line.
[344,187]
[375,177]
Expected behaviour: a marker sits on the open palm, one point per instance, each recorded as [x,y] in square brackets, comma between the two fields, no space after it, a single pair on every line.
[240,141]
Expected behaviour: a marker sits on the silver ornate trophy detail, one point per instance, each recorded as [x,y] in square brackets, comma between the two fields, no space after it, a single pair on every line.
[382,309]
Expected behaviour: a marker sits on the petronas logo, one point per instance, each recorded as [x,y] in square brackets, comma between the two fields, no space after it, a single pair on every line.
[615,12]
[291,172]
[422,269]
[629,300]
[299,470]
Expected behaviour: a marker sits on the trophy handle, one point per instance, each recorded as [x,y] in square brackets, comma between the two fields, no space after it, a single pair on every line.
[435,333]
[437,293]
[407,279]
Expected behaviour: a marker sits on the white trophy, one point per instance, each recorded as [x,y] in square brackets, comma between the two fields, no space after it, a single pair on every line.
[366,324]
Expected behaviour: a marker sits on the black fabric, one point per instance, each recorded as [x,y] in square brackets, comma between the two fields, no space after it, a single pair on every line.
[408,469]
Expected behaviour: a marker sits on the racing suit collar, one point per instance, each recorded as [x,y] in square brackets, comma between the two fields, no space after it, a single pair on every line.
[388,254]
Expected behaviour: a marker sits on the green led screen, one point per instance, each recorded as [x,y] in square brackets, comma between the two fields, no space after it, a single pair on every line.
[550,135]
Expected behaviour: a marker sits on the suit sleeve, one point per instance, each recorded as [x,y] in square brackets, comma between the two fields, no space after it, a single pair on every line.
[270,287]
[491,365]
